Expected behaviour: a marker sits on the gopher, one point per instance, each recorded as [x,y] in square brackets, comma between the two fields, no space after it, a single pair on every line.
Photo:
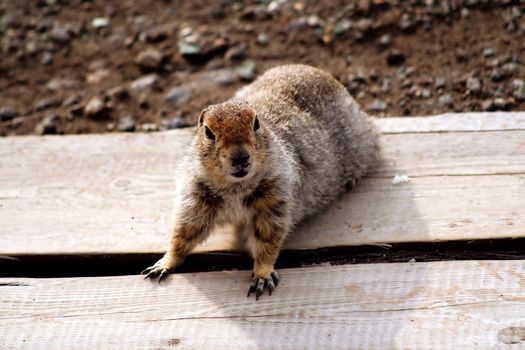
[280,150]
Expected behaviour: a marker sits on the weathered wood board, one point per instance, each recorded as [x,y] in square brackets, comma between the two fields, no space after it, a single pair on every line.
[439,305]
[113,193]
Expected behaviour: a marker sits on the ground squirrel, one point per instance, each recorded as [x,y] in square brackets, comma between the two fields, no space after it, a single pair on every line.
[277,152]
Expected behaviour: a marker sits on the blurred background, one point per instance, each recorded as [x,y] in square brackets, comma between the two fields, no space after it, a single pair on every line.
[76,66]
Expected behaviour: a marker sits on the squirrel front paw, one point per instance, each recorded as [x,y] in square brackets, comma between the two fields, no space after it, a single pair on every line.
[160,269]
[260,284]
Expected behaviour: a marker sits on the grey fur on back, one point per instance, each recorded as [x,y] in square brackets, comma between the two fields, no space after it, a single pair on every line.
[328,141]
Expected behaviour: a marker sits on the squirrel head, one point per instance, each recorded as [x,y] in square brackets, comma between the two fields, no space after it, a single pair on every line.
[232,141]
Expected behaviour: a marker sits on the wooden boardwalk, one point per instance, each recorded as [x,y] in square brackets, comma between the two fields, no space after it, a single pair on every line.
[111,194]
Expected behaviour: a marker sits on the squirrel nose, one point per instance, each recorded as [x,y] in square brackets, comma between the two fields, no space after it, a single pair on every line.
[241,159]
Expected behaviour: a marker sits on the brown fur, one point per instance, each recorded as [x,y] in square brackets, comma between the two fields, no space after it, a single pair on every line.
[313,142]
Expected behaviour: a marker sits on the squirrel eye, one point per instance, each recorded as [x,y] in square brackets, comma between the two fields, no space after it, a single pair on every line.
[256,124]
[209,134]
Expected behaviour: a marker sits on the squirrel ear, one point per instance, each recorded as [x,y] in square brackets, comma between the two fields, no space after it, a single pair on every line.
[201,117]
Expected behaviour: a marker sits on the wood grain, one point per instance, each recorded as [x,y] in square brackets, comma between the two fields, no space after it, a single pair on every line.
[450,122]
[113,193]
[439,305]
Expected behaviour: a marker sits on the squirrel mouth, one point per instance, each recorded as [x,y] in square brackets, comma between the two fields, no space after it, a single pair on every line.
[240,173]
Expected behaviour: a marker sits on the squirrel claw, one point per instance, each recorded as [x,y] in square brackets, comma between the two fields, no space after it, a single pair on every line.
[260,284]
[156,271]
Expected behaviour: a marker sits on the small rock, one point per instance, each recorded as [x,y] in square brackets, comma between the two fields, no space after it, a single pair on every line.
[510,68]
[118,93]
[376,106]
[126,124]
[48,125]
[145,83]
[500,103]
[188,49]
[262,39]
[473,85]
[222,77]
[395,57]
[385,40]
[59,84]
[519,94]
[149,127]
[235,53]
[70,101]
[174,123]
[100,22]
[149,59]
[45,104]
[7,113]
[488,52]
[46,59]
[60,35]
[488,105]
[440,83]
[97,76]
[518,84]
[342,26]
[426,93]
[445,100]
[497,75]
[247,71]
[179,95]
[94,107]
[405,23]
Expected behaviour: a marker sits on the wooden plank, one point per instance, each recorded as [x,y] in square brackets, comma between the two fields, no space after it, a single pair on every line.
[455,153]
[113,193]
[449,122]
[439,305]
[425,210]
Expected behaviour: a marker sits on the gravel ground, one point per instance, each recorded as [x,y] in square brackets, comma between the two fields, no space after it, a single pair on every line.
[104,66]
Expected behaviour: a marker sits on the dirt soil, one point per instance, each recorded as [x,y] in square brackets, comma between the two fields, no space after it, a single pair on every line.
[101,66]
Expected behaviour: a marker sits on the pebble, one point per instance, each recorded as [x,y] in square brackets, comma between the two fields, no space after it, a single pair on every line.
[126,124]
[488,105]
[235,53]
[376,106]
[440,83]
[395,57]
[497,75]
[59,84]
[488,52]
[145,83]
[149,59]
[45,103]
[100,22]
[60,35]
[223,77]
[518,84]
[188,49]
[97,76]
[510,68]
[70,101]
[519,94]
[445,100]
[48,125]
[473,85]
[94,107]
[385,40]
[174,123]
[342,26]
[46,59]
[149,127]
[246,71]
[262,39]
[118,93]
[179,95]
[7,113]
